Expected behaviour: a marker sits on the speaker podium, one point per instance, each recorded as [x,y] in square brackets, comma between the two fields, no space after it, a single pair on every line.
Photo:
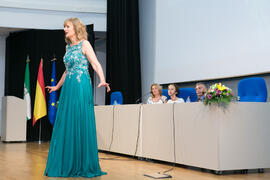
[13,119]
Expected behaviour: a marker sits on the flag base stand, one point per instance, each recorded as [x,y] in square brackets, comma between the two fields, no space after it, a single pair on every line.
[158,175]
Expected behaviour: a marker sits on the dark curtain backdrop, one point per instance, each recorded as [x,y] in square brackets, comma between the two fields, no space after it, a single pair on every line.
[37,44]
[123,69]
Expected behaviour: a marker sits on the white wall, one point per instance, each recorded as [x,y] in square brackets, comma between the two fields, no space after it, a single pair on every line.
[97,6]
[2,73]
[50,14]
[147,15]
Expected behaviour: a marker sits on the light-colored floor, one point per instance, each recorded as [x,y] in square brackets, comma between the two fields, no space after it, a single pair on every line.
[19,161]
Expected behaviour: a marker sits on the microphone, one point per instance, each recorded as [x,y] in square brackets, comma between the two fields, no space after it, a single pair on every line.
[163,101]
[142,97]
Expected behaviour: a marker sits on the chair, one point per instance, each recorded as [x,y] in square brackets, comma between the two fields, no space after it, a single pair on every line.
[165,93]
[252,90]
[116,98]
[188,92]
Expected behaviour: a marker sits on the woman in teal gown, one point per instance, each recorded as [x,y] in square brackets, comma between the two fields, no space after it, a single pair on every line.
[73,149]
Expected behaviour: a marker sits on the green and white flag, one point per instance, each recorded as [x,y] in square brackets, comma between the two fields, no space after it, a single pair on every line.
[26,96]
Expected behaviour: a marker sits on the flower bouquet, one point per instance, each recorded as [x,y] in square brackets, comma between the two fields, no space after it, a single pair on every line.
[218,94]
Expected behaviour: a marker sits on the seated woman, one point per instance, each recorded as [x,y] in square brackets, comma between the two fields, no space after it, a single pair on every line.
[156,98]
[173,91]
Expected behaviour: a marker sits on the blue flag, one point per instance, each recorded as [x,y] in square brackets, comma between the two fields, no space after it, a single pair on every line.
[53,97]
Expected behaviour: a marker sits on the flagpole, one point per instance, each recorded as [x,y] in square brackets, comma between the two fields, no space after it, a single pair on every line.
[39,141]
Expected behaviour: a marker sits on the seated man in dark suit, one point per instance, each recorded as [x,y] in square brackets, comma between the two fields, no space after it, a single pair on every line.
[200,90]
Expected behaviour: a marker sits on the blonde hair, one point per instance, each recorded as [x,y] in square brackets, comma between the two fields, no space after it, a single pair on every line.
[158,87]
[79,28]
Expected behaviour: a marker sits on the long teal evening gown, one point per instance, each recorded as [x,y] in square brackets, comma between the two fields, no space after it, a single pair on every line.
[73,149]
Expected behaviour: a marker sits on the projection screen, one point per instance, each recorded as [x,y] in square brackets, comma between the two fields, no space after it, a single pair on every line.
[211,39]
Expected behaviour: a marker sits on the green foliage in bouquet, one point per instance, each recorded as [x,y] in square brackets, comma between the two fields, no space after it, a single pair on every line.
[218,94]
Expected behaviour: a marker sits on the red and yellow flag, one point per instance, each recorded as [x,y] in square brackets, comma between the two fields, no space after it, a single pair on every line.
[40,109]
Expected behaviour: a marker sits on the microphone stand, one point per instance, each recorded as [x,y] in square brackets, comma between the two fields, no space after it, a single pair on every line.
[139,99]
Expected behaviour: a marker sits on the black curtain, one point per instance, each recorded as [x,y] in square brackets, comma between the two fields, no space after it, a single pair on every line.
[36,44]
[123,69]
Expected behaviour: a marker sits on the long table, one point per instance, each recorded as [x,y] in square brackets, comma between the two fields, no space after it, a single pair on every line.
[213,137]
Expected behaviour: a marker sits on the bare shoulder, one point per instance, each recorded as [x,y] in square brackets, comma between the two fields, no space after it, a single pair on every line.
[86,44]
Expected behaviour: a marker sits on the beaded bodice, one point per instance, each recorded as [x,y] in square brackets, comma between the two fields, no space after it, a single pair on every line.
[75,61]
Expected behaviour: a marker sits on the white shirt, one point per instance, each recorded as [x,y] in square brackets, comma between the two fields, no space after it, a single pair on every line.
[178,100]
[162,100]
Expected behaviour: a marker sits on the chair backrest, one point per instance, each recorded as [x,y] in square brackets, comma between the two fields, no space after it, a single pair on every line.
[165,93]
[252,90]
[188,92]
[116,98]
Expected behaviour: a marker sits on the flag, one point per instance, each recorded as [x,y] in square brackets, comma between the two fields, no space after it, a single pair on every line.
[26,95]
[53,96]
[40,109]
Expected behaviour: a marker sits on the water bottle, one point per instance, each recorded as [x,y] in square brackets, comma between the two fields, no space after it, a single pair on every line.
[188,100]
